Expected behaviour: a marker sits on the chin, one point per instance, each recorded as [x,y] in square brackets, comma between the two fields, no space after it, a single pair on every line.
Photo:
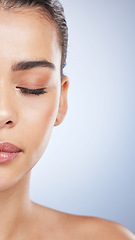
[10,178]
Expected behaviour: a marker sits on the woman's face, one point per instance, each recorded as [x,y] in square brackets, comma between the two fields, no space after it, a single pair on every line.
[30,58]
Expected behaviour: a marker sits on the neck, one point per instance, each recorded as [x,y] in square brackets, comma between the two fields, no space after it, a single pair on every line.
[14,205]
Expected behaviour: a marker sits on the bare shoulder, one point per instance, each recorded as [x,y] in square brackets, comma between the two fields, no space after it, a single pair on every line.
[96,228]
[66,226]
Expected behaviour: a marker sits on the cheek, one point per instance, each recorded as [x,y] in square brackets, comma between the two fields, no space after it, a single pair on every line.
[39,122]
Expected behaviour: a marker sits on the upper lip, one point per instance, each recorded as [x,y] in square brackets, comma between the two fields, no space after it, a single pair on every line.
[9,147]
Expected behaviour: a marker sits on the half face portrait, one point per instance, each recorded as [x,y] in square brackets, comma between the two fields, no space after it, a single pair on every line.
[32,90]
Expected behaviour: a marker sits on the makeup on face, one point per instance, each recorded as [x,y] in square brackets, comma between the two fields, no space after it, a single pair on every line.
[35,78]
[30,91]
[8,152]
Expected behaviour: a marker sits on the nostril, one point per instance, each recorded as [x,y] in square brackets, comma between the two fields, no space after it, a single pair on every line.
[8,122]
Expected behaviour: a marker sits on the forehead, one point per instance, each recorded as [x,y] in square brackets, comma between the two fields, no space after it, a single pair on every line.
[26,34]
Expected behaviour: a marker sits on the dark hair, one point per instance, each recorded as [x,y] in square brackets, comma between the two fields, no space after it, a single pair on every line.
[54,9]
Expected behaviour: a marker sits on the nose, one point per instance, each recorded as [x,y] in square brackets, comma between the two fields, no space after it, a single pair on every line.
[8,115]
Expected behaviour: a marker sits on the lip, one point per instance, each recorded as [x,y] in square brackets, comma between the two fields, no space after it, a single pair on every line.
[8,152]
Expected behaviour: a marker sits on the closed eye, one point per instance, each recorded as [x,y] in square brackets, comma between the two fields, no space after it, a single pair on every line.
[28,91]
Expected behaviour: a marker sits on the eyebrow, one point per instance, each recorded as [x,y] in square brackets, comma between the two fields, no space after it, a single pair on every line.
[26,65]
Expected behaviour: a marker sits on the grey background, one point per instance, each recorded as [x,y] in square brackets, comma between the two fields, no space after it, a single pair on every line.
[89,165]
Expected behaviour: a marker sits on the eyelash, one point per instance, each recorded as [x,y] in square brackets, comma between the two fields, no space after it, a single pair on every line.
[32,91]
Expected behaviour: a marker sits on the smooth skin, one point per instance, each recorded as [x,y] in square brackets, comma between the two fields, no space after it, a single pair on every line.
[27,120]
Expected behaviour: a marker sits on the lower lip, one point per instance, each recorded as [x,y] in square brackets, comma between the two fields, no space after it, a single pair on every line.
[6,156]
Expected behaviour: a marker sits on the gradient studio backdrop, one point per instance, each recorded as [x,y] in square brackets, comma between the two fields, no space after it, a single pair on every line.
[89,165]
